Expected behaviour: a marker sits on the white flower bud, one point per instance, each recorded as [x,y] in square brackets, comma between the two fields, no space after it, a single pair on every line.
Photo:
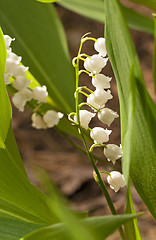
[40,94]
[95,63]
[100,46]
[21,82]
[100,96]
[8,41]
[85,118]
[113,152]
[7,78]
[100,135]
[20,98]
[38,122]
[116,180]
[107,116]
[51,118]
[101,81]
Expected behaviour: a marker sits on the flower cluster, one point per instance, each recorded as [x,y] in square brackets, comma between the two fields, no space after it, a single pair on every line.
[97,100]
[17,72]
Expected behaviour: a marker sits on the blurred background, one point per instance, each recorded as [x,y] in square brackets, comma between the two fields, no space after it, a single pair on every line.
[67,167]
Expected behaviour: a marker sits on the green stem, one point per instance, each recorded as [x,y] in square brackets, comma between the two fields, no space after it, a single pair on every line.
[82,93]
[88,104]
[100,181]
[75,145]
[84,87]
[95,145]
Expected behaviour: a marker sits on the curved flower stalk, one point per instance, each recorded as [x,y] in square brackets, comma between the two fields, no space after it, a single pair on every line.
[97,100]
[15,74]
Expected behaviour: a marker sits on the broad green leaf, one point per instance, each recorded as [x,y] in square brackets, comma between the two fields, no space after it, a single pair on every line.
[95,10]
[41,41]
[6,134]
[47,1]
[148,3]
[12,228]
[98,227]
[131,227]
[154,56]
[17,194]
[71,227]
[17,190]
[142,154]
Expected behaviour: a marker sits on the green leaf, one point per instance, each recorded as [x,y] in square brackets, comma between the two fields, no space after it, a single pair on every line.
[6,134]
[41,41]
[95,10]
[45,53]
[98,227]
[47,1]
[140,151]
[150,3]
[12,228]
[154,55]
[131,227]
[71,227]
[18,197]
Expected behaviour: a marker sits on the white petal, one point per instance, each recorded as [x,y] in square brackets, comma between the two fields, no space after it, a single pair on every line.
[85,118]
[51,118]
[100,96]
[21,82]
[38,122]
[100,135]
[113,152]
[116,180]
[8,41]
[20,98]
[100,46]
[40,94]
[107,116]
[95,63]
[7,78]
[101,81]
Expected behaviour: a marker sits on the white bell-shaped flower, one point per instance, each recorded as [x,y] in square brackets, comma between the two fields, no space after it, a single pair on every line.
[15,69]
[91,102]
[100,96]
[100,47]
[113,152]
[95,63]
[13,57]
[10,67]
[20,98]
[51,118]
[20,71]
[40,94]
[116,180]
[7,78]
[100,135]
[107,116]
[38,122]
[19,102]
[85,118]
[21,82]
[101,81]
[8,41]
